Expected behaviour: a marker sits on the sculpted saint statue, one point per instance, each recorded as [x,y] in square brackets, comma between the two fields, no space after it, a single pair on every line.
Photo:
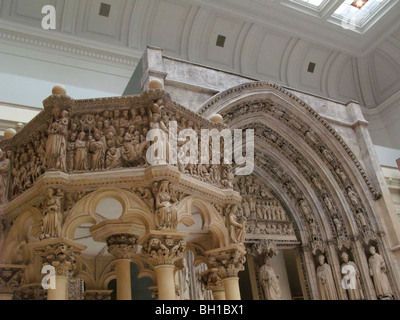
[51,220]
[270,281]
[354,291]
[98,148]
[166,214]
[378,272]
[56,147]
[5,167]
[81,153]
[326,284]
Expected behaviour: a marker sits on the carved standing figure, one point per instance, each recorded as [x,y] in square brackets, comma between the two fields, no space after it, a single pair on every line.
[80,159]
[166,214]
[98,148]
[270,281]
[353,197]
[378,272]
[354,291]
[56,147]
[5,168]
[51,220]
[237,230]
[326,284]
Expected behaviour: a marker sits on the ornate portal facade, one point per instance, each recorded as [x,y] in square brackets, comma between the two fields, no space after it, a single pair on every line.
[313,221]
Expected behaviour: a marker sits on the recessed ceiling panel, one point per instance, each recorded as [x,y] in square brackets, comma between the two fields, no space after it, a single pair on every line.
[105,24]
[168,25]
[316,57]
[230,29]
[270,55]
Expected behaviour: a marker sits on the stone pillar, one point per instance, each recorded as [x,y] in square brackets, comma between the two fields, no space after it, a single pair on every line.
[213,282]
[121,240]
[11,279]
[123,247]
[60,254]
[228,261]
[163,250]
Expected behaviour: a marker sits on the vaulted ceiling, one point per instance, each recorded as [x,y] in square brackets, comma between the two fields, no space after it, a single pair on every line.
[290,42]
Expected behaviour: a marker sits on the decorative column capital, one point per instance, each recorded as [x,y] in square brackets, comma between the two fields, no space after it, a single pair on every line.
[11,278]
[122,246]
[212,280]
[229,260]
[164,248]
[60,253]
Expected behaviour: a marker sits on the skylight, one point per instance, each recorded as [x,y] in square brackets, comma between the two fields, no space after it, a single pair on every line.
[350,13]
[312,3]
[316,3]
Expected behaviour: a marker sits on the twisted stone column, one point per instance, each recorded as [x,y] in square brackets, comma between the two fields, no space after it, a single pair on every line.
[123,247]
[163,251]
[228,261]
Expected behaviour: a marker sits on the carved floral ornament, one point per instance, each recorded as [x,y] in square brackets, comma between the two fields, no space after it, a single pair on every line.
[59,255]
[76,136]
[122,246]
[229,261]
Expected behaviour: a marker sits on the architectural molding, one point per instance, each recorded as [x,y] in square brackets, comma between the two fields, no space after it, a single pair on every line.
[11,32]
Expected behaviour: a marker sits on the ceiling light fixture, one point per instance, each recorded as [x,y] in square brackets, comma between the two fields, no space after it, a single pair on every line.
[359,3]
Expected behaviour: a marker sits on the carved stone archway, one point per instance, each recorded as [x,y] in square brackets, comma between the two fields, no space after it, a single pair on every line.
[303,160]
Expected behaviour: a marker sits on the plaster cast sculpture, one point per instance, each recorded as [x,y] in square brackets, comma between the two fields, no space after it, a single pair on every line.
[326,284]
[354,291]
[270,281]
[378,272]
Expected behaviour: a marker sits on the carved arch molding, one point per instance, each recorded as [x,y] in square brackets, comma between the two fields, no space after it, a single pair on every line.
[311,187]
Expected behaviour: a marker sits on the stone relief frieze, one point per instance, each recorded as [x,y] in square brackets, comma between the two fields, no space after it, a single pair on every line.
[264,214]
[76,136]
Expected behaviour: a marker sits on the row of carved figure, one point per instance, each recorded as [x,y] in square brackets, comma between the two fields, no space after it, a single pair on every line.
[100,141]
[256,209]
[351,279]
[279,228]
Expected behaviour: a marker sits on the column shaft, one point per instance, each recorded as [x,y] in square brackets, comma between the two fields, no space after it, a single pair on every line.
[231,286]
[165,282]
[219,295]
[123,272]
[61,290]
